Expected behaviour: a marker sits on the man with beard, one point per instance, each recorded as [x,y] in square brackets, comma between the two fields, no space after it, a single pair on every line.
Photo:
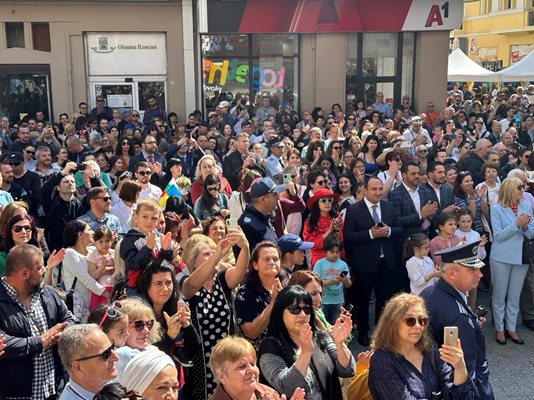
[29,181]
[16,191]
[33,318]
[99,202]
[61,204]
[149,153]
[142,176]
[438,192]
[44,163]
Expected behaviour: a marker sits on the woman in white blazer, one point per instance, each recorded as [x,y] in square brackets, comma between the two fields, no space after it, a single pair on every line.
[512,222]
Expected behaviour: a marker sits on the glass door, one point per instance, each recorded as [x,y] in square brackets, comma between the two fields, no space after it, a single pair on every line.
[116,95]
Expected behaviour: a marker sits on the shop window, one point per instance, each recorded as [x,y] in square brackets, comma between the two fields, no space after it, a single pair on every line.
[379,54]
[41,36]
[15,34]
[249,66]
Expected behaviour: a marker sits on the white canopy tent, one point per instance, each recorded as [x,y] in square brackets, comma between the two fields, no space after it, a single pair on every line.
[522,70]
[462,68]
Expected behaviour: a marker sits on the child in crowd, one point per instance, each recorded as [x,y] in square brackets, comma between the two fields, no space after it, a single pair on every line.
[112,320]
[335,275]
[143,242]
[446,222]
[421,269]
[292,249]
[101,264]
[465,222]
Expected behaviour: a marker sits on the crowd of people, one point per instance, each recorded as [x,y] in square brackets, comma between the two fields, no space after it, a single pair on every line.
[236,256]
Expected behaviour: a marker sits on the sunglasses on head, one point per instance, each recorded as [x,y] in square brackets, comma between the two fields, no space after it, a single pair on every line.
[125,175]
[139,325]
[326,201]
[143,173]
[19,228]
[410,321]
[106,354]
[296,310]
[111,311]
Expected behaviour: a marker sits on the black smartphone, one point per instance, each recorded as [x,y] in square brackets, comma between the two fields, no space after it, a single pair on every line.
[343,274]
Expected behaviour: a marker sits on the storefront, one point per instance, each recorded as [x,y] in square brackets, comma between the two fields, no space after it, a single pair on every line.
[126,67]
[319,52]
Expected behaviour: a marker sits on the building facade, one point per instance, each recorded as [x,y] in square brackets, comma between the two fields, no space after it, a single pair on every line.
[497,33]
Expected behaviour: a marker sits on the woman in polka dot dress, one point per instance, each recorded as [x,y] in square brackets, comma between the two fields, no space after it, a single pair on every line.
[208,291]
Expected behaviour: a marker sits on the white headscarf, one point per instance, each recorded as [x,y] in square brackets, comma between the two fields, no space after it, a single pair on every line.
[143,368]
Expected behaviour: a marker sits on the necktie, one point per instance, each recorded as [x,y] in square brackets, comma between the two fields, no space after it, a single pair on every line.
[151,159]
[375,214]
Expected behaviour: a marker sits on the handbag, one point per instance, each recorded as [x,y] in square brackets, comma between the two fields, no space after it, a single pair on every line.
[528,251]
[69,297]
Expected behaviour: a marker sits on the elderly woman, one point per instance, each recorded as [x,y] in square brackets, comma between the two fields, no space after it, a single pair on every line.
[511,220]
[297,354]
[153,375]
[233,363]
[206,165]
[255,298]
[209,292]
[405,365]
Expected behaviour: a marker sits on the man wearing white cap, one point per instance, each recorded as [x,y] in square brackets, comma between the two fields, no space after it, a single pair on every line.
[416,129]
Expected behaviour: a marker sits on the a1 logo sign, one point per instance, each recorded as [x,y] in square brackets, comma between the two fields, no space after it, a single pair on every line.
[435,15]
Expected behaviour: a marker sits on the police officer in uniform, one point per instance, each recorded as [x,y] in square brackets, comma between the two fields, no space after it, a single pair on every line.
[273,163]
[447,306]
[255,220]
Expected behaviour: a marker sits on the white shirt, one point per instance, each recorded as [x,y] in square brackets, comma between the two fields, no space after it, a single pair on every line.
[124,213]
[379,213]
[152,192]
[414,194]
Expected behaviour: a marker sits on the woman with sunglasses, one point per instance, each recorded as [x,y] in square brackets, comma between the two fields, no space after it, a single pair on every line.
[125,149]
[20,229]
[512,223]
[405,364]
[212,202]
[322,222]
[297,354]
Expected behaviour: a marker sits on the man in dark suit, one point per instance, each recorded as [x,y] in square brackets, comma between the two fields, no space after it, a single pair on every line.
[435,190]
[150,154]
[411,205]
[241,158]
[371,227]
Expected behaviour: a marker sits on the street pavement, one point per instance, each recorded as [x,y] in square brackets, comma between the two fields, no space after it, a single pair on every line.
[511,366]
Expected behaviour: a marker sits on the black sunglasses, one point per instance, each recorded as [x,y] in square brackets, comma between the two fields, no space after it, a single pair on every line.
[105,354]
[139,325]
[410,321]
[105,198]
[19,228]
[143,173]
[296,310]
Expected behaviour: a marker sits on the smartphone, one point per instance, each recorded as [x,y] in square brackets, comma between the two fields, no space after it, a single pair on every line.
[450,335]
[287,178]
[343,274]
[231,223]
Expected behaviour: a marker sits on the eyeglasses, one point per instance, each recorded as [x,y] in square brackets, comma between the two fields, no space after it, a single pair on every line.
[139,325]
[351,119]
[410,321]
[19,228]
[479,122]
[397,159]
[430,106]
[111,312]
[14,163]
[521,187]
[320,182]
[213,188]
[106,354]
[143,173]
[135,115]
[337,147]
[423,151]
[105,198]
[125,143]
[296,310]
[100,101]
[30,152]
[326,201]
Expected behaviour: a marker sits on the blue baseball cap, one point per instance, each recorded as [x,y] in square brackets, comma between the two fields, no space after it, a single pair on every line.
[289,243]
[262,186]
